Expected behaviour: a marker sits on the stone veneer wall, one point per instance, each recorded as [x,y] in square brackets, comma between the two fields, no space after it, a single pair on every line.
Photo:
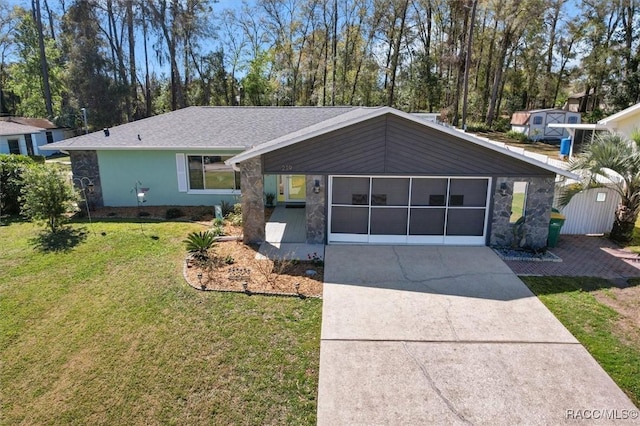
[252,200]
[537,212]
[84,164]
[316,221]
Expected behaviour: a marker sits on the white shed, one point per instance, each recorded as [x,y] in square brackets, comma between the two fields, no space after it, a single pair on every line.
[535,123]
[590,212]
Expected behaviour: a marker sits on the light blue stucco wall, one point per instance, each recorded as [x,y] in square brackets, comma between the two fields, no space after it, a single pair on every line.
[156,170]
[271,185]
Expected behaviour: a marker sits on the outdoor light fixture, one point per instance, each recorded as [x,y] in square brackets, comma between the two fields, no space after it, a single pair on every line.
[200,279]
[504,189]
[316,186]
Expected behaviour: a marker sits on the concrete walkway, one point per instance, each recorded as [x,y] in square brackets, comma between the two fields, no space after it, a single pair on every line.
[584,256]
[446,335]
[286,235]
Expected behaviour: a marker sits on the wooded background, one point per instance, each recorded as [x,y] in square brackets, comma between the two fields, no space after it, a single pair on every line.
[58,56]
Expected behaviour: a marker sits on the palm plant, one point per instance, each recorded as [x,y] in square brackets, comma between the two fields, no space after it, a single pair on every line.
[617,159]
[199,244]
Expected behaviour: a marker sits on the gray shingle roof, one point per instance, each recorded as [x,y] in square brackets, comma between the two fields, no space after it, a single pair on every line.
[8,128]
[205,127]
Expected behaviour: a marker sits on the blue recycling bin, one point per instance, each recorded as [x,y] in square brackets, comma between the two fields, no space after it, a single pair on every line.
[565,146]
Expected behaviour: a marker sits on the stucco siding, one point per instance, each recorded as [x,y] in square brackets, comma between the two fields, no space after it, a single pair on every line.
[156,170]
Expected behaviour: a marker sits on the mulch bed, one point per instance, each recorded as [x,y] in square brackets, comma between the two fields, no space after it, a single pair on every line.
[261,276]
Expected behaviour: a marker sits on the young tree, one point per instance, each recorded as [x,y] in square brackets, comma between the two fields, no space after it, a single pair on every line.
[47,195]
[612,156]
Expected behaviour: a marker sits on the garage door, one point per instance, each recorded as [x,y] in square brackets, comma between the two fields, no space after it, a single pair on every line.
[408,210]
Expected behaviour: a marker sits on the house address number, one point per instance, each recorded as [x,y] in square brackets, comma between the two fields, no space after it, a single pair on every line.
[286,168]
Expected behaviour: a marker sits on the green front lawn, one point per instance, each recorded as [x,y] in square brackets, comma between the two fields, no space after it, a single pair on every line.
[609,331]
[107,332]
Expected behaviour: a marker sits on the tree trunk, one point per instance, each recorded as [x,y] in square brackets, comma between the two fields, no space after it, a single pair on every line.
[497,81]
[467,64]
[396,52]
[624,224]
[44,66]
[133,92]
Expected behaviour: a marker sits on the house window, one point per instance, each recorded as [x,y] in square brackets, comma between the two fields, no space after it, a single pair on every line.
[537,121]
[208,172]
[49,137]
[14,146]
[572,119]
[518,201]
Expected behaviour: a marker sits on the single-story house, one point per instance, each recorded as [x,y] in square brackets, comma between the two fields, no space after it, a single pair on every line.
[364,175]
[20,135]
[535,123]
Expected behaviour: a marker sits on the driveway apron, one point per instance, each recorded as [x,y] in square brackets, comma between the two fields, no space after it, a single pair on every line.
[446,335]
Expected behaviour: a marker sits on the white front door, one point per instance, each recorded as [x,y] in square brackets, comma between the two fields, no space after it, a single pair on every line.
[292,188]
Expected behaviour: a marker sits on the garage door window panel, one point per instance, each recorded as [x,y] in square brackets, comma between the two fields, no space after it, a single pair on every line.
[427,222]
[468,192]
[389,192]
[428,192]
[465,222]
[350,191]
[350,220]
[390,221]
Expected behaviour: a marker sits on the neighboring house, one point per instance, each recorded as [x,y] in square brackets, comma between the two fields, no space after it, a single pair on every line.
[575,100]
[623,122]
[19,135]
[365,175]
[535,123]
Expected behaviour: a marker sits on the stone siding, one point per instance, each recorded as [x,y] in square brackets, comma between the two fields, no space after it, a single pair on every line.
[252,200]
[537,213]
[84,164]
[316,220]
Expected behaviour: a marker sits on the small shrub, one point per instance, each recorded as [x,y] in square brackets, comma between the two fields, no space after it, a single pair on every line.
[315,259]
[270,196]
[47,195]
[173,213]
[217,231]
[11,181]
[144,214]
[520,137]
[502,124]
[226,208]
[38,159]
[477,127]
[235,217]
[199,244]
[229,260]
[217,222]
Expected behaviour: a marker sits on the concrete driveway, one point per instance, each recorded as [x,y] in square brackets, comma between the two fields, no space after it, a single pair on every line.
[446,335]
